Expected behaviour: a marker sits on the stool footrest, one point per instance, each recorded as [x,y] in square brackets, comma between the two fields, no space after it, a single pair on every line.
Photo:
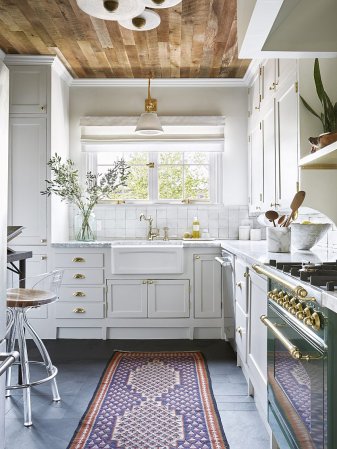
[36,382]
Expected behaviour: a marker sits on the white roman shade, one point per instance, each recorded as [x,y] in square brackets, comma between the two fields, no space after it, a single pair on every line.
[116,134]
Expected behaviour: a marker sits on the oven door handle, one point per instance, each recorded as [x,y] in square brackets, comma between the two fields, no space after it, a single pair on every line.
[296,289]
[292,349]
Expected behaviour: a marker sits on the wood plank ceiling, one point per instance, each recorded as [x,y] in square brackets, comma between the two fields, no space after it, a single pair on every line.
[196,39]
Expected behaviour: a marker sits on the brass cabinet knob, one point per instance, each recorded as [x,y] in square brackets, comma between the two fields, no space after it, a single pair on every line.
[79,310]
[145,281]
[150,282]
[42,108]
[246,274]
[239,284]
[79,294]
[43,240]
[78,259]
[239,330]
[197,257]
[79,276]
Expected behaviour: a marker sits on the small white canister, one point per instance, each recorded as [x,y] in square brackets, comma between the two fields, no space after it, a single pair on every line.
[244,232]
[278,239]
[255,234]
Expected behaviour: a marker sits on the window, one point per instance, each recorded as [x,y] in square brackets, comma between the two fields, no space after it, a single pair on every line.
[165,176]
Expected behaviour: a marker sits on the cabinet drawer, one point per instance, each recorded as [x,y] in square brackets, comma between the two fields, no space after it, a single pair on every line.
[83,276]
[79,309]
[85,294]
[78,260]
[241,290]
[241,332]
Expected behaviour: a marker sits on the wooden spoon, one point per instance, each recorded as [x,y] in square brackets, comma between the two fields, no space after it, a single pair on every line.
[272,215]
[295,204]
[281,220]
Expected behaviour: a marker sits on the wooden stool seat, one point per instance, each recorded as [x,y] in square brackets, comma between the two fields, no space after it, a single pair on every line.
[26,297]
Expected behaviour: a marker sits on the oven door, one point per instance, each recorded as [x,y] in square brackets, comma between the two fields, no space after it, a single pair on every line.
[297,385]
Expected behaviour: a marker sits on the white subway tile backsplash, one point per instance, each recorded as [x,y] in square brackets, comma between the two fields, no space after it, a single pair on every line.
[122,221]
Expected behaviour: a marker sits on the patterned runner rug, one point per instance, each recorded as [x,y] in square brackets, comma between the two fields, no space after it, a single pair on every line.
[152,400]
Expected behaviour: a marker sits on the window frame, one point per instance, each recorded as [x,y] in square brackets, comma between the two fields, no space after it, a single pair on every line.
[215,181]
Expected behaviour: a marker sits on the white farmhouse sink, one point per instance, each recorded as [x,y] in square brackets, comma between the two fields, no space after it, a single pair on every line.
[147,257]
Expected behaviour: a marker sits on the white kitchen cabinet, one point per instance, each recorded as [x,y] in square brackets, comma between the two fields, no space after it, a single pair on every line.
[268,80]
[287,144]
[257,339]
[256,168]
[254,96]
[148,298]
[169,298]
[241,321]
[28,90]
[241,284]
[127,298]
[207,287]
[269,157]
[27,174]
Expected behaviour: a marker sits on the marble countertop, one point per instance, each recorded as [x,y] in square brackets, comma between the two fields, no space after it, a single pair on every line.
[108,244]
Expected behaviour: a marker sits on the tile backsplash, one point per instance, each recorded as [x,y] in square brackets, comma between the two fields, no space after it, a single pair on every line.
[122,221]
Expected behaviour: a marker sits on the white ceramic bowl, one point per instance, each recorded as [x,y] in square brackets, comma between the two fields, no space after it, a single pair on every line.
[305,236]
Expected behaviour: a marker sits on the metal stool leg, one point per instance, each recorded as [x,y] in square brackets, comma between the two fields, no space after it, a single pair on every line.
[27,409]
[45,357]
[10,345]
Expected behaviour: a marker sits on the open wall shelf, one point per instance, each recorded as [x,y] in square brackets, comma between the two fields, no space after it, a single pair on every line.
[325,158]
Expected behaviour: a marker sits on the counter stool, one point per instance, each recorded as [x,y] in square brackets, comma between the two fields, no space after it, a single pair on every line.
[40,290]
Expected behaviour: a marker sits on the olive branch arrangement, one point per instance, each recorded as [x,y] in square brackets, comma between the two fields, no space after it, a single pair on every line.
[65,183]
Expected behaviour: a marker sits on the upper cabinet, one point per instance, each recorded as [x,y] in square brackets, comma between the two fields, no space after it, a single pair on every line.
[273,136]
[28,89]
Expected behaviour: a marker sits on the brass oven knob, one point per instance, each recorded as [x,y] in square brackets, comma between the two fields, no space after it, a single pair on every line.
[307,317]
[316,321]
[270,294]
[299,311]
[286,305]
[293,303]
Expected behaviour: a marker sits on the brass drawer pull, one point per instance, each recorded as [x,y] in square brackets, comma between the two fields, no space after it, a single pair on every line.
[79,276]
[79,310]
[78,259]
[79,294]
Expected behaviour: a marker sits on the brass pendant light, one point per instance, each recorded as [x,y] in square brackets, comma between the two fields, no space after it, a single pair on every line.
[148,122]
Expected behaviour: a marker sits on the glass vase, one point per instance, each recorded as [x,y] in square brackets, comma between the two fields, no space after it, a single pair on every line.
[85,228]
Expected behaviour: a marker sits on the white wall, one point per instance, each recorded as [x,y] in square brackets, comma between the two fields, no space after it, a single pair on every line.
[59,138]
[230,102]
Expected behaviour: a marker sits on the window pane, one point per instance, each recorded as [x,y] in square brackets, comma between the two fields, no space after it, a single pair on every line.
[170,183]
[137,187]
[136,158]
[170,158]
[197,182]
[196,158]
[108,158]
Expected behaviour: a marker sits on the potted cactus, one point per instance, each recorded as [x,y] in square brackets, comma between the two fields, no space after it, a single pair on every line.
[328,116]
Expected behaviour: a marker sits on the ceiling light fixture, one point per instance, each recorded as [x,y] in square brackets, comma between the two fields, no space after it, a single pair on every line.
[148,122]
[131,14]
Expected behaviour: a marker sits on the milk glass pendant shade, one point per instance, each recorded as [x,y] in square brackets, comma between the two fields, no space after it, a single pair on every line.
[147,20]
[148,122]
[112,9]
[159,4]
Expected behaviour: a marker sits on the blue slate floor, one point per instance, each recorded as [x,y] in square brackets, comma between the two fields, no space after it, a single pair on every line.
[81,363]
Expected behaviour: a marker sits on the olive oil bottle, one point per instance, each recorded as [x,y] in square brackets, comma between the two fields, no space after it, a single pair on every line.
[196,228]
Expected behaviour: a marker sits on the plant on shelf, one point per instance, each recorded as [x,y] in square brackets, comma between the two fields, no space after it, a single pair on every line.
[65,183]
[328,116]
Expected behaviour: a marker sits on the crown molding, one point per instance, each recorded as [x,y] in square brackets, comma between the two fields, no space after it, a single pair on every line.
[159,82]
[29,60]
[251,71]
[62,71]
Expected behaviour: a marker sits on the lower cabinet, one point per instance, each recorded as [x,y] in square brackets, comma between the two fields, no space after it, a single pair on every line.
[207,287]
[148,298]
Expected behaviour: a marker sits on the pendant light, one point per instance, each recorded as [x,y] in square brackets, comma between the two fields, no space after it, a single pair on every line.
[148,122]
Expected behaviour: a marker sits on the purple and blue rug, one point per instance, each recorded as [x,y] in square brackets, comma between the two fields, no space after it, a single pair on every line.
[152,400]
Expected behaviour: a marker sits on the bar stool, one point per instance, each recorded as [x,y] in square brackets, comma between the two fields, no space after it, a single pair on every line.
[40,290]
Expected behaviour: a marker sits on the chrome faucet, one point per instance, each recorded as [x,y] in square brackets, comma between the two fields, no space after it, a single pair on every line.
[152,232]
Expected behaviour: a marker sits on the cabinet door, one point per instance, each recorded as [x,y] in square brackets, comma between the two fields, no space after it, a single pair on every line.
[168,298]
[268,80]
[28,89]
[257,334]
[27,174]
[256,168]
[269,158]
[254,97]
[127,298]
[207,287]
[287,146]
[241,333]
